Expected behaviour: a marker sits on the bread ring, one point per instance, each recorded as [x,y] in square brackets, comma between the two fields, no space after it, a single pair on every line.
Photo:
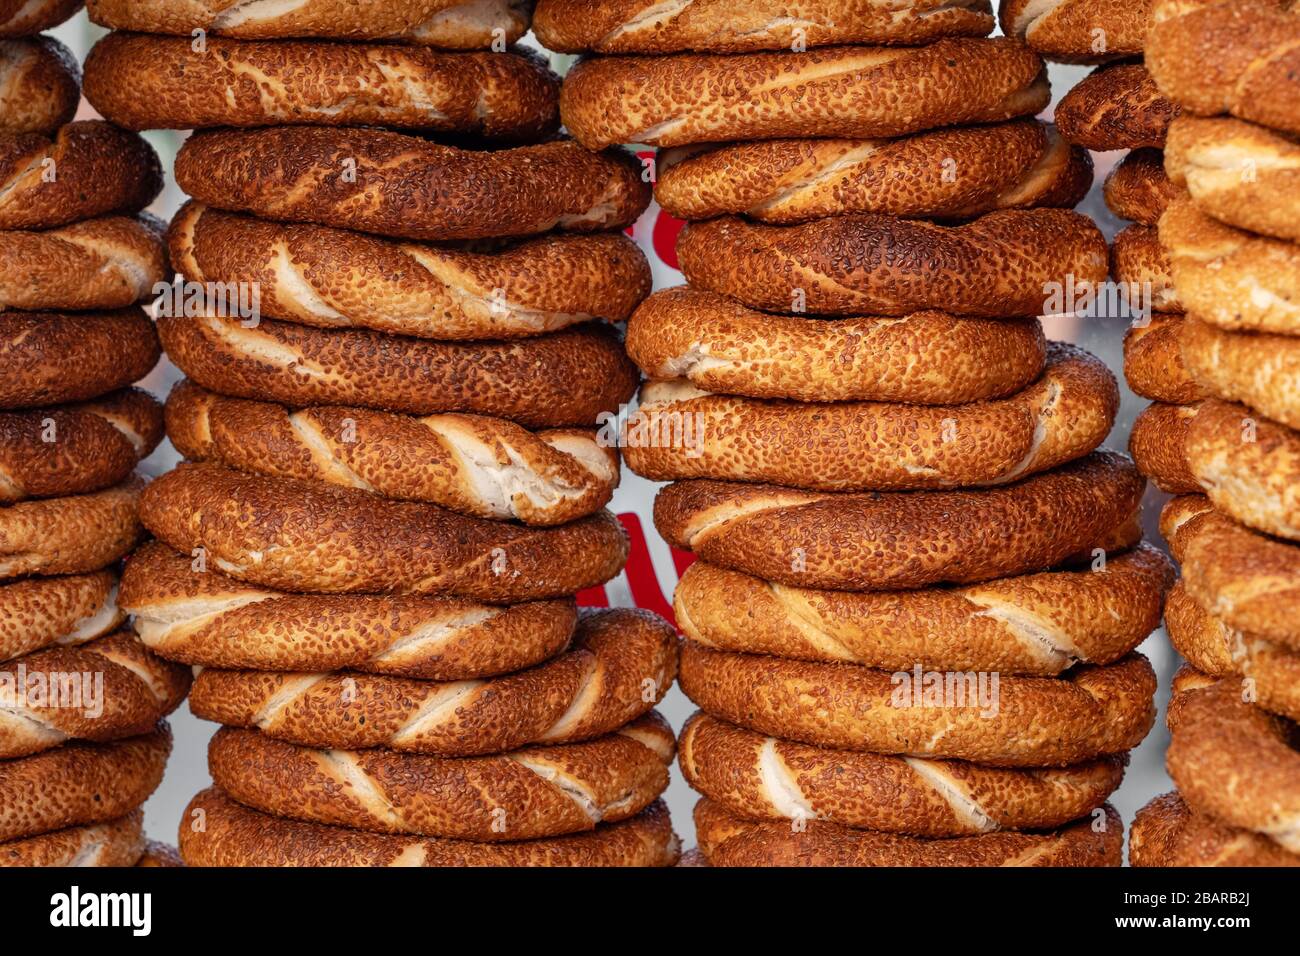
[943,174]
[210,620]
[1077,31]
[1002,264]
[1247,580]
[619,666]
[1141,267]
[1038,624]
[26,17]
[841,92]
[1232,279]
[240,83]
[853,541]
[1167,832]
[929,358]
[51,358]
[1156,445]
[40,85]
[42,612]
[87,169]
[70,535]
[720,26]
[337,540]
[728,840]
[486,467]
[1237,763]
[523,795]
[116,843]
[1138,188]
[566,378]
[896,447]
[402,186]
[331,278]
[1026,722]
[159,854]
[1153,361]
[1117,106]
[1262,371]
[132,690]
[1237,58]
[74,449]
[233,835]
[453,24]
[79,784]
[106,263]
[764,778]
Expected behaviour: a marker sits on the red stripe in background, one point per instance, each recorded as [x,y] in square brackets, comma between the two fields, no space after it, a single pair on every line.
[641,577]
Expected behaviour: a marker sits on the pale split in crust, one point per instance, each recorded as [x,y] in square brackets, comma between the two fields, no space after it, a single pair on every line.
[332,278]
[847,92]
[1138,187]
[620,664]
[1156,444]
[1002,264]
[232,835]
[406,187]
[1087,712]
[1153,361]
[27,17]
[511,97]
[728,840]
[206,619]
[68,610]
[40,85]
[539,791]
[115,843]
[1140,265]
[71,535]
[1168,833]
[953,173]
[723,26]
[1038,624]
[485,467]
[307,537]
[1260,370]
[1117,106]
[1077,31]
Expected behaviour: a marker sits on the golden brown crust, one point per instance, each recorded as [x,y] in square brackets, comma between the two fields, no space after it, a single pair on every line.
[486,467]
[332,278]
[74,449]
[106,263]
[1138,187]
[1248,580]
[727,840]
[159,854]
[927,358]
[1025,722]
[567,378]
[1236,763]
[70,535]
[1064,415]
[1115,107]
[1153,361]
[1238,58]
[116,843]
[619,666]
[1239,173]
[511,97]
[1141,267]
[302,536]
[88,168]
[999,265]
[1259,370]
[27,17]
[1077,31]
[210,620]
[526,794]
[764,778]
[722,26]
[451,24]
[892,541]
[51,357]
[1231,278]
[67,610]
[40,85]
[231,835]
[1167,832]
[1156,444]
[848,92]
[402,186]
[80,784]
[943,174]
[1037,624]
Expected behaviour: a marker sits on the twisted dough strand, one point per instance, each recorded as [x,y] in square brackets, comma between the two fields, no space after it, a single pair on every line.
[116,843]
[66,610]
[71,535]
[26,17]
[40,85]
